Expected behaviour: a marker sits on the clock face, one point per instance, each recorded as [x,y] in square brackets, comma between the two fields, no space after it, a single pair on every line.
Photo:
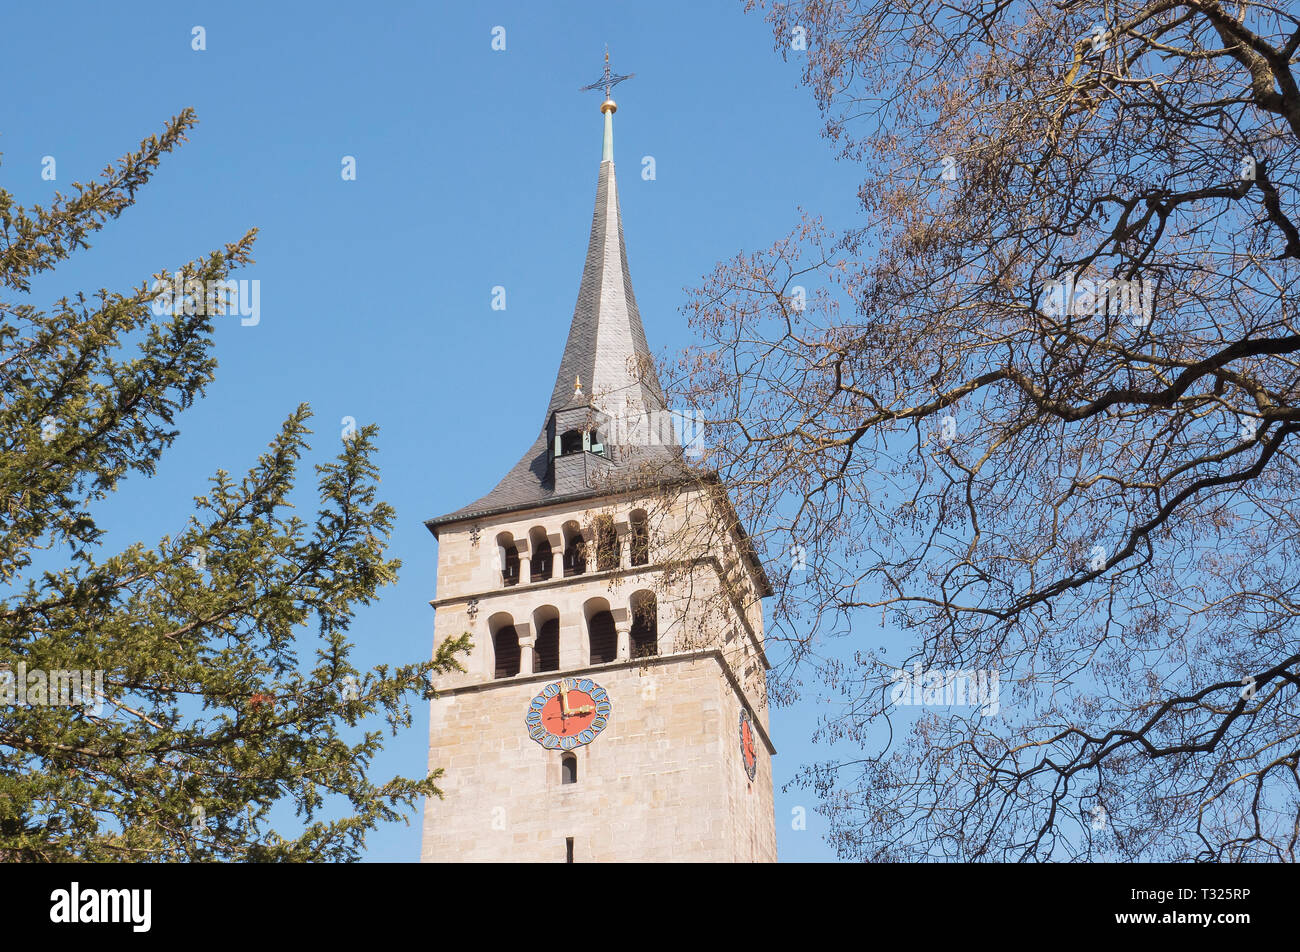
[748,751]
[568,713]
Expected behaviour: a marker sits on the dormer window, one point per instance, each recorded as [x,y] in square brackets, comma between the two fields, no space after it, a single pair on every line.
[571,442]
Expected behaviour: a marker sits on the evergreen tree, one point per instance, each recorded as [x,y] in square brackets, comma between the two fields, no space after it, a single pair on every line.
[210,711]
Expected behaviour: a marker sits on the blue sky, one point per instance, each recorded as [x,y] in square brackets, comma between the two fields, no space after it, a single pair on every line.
[475,168]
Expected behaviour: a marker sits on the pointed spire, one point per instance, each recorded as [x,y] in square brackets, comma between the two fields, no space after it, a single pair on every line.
[607,343]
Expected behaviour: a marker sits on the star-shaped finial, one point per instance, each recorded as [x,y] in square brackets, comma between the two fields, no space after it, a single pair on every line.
[607,81]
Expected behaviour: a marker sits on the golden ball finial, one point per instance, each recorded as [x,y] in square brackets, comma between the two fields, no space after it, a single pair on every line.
[609,106]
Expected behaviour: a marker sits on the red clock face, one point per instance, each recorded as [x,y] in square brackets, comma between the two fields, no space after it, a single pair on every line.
[748,750]
[581,712]
[568,713]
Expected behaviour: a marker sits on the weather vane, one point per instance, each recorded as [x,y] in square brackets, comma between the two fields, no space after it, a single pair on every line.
[609,80]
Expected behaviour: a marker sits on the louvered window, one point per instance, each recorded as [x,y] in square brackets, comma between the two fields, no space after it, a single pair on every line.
[510,565]
[604,638]
[606,545]
[506,645]
[575,557]
[542,562]
[548,646]
[640,542]
[645,632]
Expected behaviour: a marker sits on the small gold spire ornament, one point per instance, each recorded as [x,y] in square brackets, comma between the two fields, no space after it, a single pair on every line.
[577,385]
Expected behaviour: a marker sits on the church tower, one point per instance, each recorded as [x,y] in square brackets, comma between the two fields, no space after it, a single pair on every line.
[613,706]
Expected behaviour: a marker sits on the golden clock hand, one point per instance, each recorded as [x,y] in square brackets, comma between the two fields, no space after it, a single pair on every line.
[564,700]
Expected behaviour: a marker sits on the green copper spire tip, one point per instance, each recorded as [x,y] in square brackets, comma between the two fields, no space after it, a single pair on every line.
[607,82]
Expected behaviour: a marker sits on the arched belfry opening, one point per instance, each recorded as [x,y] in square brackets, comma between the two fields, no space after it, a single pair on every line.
[575,550]
[505,645]
[639,526]
[602,633]
[644,636]
[508,559]
[546,649]
[543,561]
[607,545]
